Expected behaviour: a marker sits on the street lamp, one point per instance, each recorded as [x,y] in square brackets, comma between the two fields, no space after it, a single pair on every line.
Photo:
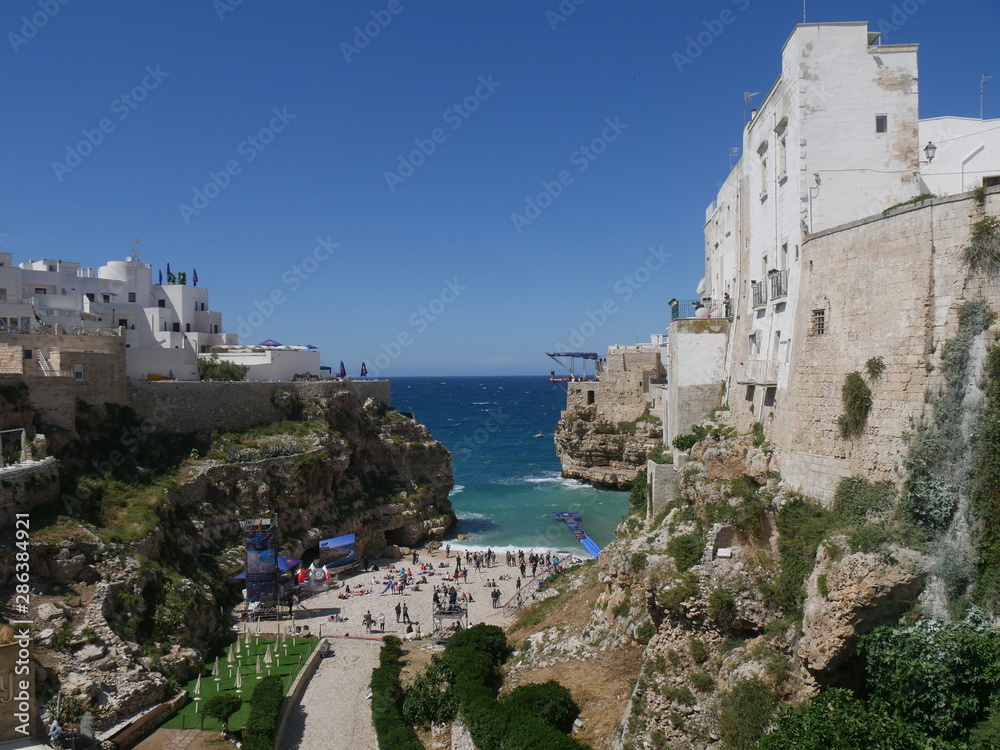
[929,150]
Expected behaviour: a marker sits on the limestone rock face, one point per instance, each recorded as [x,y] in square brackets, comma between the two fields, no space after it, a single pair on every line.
[863,591]
[602,453]
[348,467]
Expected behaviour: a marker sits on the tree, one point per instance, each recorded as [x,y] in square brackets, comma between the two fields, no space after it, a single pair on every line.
[213,368]
[222,707]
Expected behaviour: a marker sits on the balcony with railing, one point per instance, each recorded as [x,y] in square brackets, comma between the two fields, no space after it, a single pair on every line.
[778,282]
[759,293]
[758,372]
[700,309]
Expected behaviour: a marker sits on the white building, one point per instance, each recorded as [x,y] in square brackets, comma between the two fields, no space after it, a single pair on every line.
[272,362]
[836,139]
[966,154]
[166,325]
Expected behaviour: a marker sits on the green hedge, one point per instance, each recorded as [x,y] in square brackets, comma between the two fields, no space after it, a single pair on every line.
[392,732]
[475,657]
[256,742]
[549,701]
[265,707]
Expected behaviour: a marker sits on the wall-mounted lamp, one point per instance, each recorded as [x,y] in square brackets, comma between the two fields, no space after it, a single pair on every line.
[929,150]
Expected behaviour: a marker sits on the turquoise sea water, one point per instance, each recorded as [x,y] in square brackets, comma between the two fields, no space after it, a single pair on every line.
[507,478]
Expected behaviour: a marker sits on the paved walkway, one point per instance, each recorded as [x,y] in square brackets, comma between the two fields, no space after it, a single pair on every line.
[335,713]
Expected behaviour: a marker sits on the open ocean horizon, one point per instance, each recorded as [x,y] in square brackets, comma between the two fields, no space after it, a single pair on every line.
[508,479]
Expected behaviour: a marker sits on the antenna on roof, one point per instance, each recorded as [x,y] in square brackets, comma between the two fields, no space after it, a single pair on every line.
[803,11]
[733,151]
[982,82]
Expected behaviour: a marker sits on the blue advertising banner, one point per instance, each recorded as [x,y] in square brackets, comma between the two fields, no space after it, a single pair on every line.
[338,551]
[262,564]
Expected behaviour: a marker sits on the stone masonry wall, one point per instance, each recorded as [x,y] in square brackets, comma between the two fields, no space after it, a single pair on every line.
[190,406]
[890,287]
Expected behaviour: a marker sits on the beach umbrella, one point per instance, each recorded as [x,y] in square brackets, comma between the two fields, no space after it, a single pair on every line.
[260,673]
[239,644]
[239,681]
[268,657]
[197,692]
[215,670]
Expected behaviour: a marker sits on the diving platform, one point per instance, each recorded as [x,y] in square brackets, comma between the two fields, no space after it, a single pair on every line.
[572,520]
[572,376]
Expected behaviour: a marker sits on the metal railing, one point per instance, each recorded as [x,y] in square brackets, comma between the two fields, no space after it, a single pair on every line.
[759,293]
[779,283]
[758,372]
[691,309]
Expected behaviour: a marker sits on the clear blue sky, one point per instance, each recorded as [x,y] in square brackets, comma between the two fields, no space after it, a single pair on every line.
[431,256]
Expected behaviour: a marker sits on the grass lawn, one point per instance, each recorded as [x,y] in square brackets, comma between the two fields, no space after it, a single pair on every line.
[287,663]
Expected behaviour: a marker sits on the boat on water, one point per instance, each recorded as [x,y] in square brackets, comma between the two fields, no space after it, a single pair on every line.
[540,434]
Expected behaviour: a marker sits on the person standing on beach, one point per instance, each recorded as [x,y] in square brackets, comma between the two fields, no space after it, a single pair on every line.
[398,610]
[381,623]
[406,614]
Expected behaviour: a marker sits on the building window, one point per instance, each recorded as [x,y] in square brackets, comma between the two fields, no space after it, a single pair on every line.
[782,160]
[27,354]
[769,394]
[52,268]
[78,372]
[90,296]
[39,290]
[590,397]
[131,296]
[759,293]
[106,298]
[750,393]
[177,327]
[3,295]
[187,327]
[819,322]
[161,303]
[122,323]
[881,123]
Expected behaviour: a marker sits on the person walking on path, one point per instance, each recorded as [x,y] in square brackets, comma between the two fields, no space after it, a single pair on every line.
[398,610]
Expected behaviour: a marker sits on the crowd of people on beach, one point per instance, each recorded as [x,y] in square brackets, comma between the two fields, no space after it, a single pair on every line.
[450,594]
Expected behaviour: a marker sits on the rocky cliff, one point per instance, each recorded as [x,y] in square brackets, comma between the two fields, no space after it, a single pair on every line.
[742,596]
[601,452]
[129,584]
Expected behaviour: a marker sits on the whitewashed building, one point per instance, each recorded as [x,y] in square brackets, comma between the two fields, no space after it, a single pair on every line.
[166,325]
[836,139]
[272,362]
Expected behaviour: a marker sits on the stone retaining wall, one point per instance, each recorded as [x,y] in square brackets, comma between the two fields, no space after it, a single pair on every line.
[191,406]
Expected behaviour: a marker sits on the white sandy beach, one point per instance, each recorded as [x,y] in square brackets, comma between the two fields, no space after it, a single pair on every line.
[334,711]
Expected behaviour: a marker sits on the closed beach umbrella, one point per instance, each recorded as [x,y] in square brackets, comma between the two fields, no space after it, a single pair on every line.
[197,692]
[239,681]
